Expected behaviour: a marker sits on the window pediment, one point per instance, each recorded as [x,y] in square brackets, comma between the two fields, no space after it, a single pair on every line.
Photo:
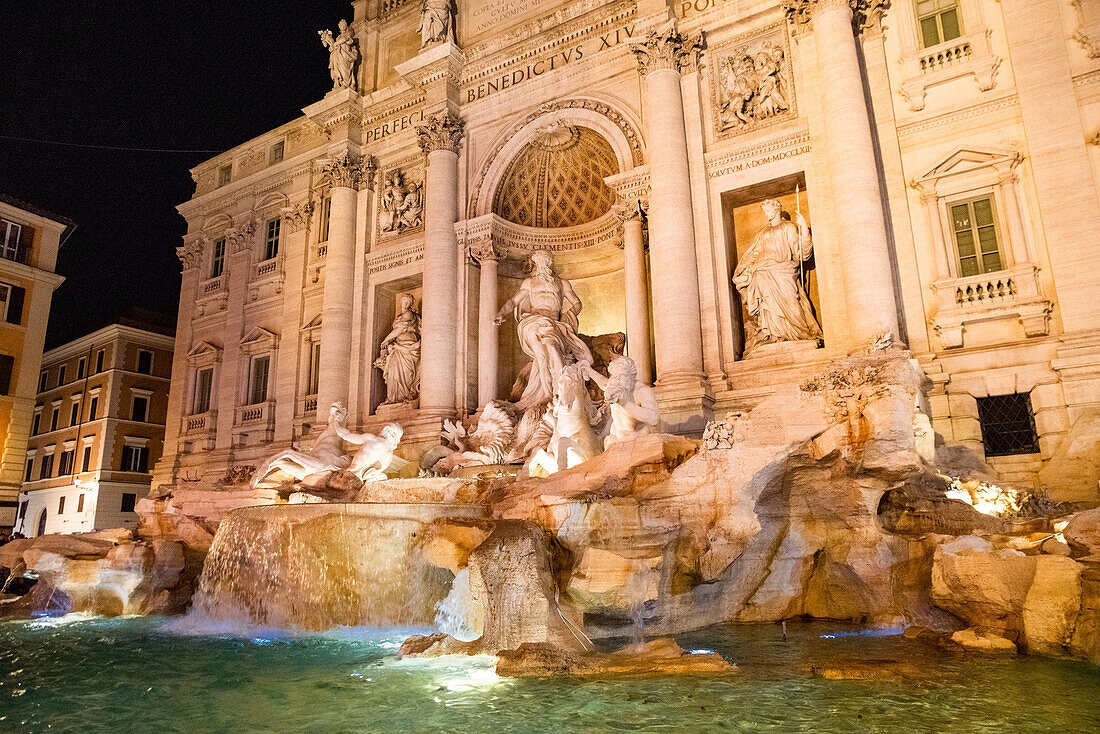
[204,353]
[259,339]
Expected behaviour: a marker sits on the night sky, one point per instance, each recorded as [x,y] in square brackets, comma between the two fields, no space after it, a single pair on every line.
[178,75]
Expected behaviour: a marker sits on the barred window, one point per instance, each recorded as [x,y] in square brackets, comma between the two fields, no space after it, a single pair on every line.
[1008,425]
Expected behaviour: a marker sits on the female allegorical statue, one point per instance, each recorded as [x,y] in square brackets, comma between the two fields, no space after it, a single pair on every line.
[343,55]
[399,355]
[436,22]
[776,306]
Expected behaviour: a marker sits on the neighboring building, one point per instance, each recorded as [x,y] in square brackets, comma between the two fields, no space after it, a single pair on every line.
[29,241]
[946,154]
[96,430]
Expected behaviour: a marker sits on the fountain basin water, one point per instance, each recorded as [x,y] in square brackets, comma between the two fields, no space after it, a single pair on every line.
[320,566]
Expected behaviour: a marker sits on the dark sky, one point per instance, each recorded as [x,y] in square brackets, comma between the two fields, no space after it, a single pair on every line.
[178,75]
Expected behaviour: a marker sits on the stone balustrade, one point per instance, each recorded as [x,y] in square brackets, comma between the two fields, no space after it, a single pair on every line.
[945,54]
[1010,296]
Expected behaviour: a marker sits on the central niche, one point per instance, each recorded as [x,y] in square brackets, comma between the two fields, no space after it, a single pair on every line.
[557,179]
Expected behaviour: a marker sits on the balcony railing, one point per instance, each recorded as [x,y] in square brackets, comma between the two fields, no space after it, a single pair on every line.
[200,422]
[1012,296]
[944,55]
[266,267]
[213,285]
[259,413]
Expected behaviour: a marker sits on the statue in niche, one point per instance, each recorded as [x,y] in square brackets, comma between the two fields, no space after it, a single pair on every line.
[343,56]
[750,87]
[776,306]
[546,310]
[399,355]
[436,22]
[402,204]
[632,406]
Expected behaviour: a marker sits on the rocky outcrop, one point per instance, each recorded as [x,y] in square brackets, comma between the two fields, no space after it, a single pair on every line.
[99,573]
[1082,533]
[191,512]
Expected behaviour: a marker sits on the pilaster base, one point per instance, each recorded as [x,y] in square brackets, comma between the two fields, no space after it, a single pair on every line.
[686,406]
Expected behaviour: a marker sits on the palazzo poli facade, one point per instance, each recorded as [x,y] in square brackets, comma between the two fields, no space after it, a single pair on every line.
[927,167]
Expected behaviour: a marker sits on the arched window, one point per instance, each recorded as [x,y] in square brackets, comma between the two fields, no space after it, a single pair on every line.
[41,530]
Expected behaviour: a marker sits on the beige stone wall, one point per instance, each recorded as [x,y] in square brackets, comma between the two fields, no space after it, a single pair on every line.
[966,118]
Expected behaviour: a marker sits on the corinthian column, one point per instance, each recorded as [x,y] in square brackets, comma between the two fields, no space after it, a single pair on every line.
[487,255]
[676,317]
[440,139]
[853,170]
[632,213]
[345,173]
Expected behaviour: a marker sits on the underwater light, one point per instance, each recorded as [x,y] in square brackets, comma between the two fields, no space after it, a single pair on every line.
[700,651]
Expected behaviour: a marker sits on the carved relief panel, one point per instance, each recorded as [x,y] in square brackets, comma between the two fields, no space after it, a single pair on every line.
[400,201]
[752,83]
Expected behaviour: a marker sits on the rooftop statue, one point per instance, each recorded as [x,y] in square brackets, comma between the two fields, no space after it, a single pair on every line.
[546,310]
[436,22]
[343,56]
[777,308]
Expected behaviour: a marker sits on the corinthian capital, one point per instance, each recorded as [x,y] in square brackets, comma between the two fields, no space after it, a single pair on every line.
[864,12]
[349,171]
[666,49]
[441,132]
[629,209]
[190,253]
[296,217]
[482,249]
[240,238]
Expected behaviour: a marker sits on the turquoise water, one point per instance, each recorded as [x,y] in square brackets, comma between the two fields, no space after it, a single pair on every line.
[145,675]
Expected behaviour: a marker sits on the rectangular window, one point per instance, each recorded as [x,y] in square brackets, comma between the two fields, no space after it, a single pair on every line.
[204,383]
[80,503]
[314,367]
[29,472]
[939,21]
[46,470]
[74,413]
[65,463]
[61,375]
[139,410]
[326,210]
[225,175]
[86,461]
[15,241]
[145,362]
[1008,425]
[257,391]
[7,366]
[974,225]
[11,303]
[217,258]
[36,423]
[271,239]
[81,365]
[45,375]
[134,458]
[99,361]
[277,152]
[61,505]
[93,406]
[129,500]
[53,419]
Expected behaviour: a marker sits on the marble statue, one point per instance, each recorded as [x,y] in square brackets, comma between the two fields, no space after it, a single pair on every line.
[489,443]
[546,311]
[436,22]
[572,440]
[402,204]
[326,453]
[631,404]
[750,87]
[399,355]
[343,56]
[776,306]
[375,453]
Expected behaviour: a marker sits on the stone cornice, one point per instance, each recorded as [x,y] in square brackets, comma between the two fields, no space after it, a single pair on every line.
[909,129]
[340,106]
[441,132]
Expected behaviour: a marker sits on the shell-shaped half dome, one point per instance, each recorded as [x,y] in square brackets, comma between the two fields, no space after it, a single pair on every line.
[556,180]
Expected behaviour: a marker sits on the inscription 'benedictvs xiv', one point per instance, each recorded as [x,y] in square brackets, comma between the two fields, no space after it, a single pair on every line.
[540,67]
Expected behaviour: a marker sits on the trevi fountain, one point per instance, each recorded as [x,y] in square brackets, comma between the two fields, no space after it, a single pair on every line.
[586,549]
